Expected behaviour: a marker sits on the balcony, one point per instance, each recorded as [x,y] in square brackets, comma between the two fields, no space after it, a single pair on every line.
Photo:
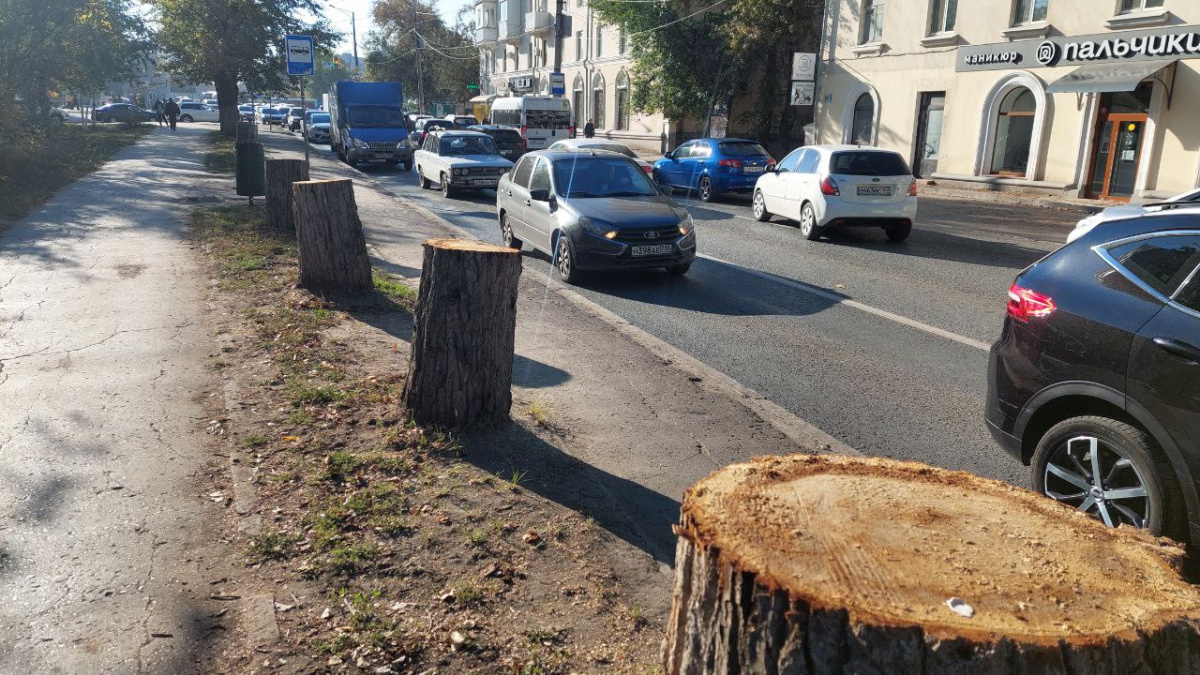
[511,30]
[539,23]
[486,34]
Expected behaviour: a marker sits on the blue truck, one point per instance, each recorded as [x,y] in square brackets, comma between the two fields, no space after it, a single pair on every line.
[367,124]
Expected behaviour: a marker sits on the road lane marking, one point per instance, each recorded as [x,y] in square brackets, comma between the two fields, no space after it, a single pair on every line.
[842,300]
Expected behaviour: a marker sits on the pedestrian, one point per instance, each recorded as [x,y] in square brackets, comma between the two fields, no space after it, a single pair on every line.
[159,111]
[172,111]
[589,130]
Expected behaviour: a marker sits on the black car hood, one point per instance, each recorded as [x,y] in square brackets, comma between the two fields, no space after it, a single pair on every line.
[652,211]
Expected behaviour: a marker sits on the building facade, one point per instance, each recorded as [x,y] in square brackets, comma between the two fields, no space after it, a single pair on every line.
[1088,98]
[516,56]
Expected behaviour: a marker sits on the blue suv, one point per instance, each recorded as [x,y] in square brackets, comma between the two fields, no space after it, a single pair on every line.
[714,166]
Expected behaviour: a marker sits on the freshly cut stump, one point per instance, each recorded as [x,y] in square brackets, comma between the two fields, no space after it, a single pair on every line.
[333,250]
[247,132]
[464,329]
[281,173]
[826,564]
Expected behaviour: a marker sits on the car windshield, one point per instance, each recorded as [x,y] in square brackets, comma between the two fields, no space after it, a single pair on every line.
[374,116]
[587,176]
[741,149]
[269,111]
[467,145]
[868,163]
[320,118]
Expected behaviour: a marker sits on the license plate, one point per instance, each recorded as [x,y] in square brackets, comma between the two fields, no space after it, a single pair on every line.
[661,249]
[383,155]
[483,181]
[874,190]
[753,169]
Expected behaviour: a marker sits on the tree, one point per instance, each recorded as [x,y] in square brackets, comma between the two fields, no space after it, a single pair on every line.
[230,41]
[406,28]
[325,76]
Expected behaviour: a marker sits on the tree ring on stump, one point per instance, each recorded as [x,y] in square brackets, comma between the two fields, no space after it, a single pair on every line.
[884,545]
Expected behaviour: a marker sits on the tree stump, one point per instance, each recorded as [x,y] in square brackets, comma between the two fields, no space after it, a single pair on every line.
[281,173]
[464,329]
[827,564]
[247,132]
[333,250]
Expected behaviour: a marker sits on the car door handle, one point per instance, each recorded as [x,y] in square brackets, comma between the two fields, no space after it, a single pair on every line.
[1179,348]
[528,203]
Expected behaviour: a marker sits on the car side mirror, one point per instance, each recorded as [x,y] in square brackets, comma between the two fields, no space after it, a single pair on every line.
[540,195]
[670,155]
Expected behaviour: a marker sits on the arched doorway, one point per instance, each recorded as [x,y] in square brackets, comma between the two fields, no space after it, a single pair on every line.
[1014,133]
[577,101]
[622,101]
[598,92]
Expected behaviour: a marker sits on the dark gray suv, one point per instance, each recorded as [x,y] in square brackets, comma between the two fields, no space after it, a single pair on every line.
[593,210]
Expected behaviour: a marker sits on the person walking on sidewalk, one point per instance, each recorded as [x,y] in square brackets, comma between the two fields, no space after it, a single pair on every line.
[159,111]
[589,130]
[172,110]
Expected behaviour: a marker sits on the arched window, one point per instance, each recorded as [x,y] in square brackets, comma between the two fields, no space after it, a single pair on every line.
[862,128]
[597,115]
[623,101]
[544,86]
[1014,133]
[577,100]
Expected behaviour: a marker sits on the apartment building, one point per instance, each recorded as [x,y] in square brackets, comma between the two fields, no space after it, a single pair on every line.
[516,56]
[1089,98]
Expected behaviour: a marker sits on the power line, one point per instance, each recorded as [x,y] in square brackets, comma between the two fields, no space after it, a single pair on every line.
[671,23]
[459,58]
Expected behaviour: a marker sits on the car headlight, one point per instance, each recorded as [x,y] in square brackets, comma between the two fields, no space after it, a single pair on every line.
[598,227]
[686,225]
[359,143]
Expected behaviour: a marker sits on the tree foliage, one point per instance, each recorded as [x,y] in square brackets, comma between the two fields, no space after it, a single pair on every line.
[449,58]
[230,41]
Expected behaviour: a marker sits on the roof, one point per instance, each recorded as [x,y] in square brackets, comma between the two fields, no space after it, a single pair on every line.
[554,155]
[458,132]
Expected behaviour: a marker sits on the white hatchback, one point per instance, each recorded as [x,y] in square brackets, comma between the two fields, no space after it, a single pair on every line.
[190,111]
[827,186]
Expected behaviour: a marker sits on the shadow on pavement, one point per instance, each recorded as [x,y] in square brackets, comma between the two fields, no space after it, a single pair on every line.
[639,516]
[937,245]
[534,374]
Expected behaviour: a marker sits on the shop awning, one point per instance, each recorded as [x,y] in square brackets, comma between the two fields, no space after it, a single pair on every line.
[1107,77]
[484,98]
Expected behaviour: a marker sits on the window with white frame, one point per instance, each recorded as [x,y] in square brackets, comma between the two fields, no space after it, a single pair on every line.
[1139,5]
[622,101]
[578,45]
[599,48]
[941,16]
[872,22]
[622,40]
[541,53]
[1030,11]
[597,115]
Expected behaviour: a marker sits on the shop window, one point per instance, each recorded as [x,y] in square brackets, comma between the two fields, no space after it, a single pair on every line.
[942,16]
[1030,11]
[623,101]
[1139,5]
[597,116]
[864,120]
[872,22]
[1014,133]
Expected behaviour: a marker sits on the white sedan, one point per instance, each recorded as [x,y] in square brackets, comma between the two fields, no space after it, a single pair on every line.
[828,186]
[1185,200]
[602,144]
[191,111]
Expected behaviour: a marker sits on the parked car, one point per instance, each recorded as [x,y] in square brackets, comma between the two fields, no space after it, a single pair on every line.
[269,116]
[318,127]
[1095,380]
[713,166]
[1129,211]
[593,211]
[210,102]
[602,144]
[831,186]
[190,111]
[508,141]
[122,112]
[417,138]
[246,113]
[413,118]
[462,121]
[293,117]
[459,160]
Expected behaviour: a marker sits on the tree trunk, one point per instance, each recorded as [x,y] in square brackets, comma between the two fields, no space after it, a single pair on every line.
[227,103]
[247,132]
[827,564]
[460,365]
[333,251]
[281,173]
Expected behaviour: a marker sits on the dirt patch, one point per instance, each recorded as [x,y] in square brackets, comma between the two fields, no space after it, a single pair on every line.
[129,271]
[388,546]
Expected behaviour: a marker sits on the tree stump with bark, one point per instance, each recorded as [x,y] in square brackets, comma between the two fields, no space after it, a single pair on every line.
[247,132]
[281,173]
[464,330]
[828,564]
[333,250]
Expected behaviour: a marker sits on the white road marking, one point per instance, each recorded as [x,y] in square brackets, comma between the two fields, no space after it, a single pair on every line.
[842,300]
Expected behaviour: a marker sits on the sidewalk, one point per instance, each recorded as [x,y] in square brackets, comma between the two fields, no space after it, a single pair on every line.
[107,546]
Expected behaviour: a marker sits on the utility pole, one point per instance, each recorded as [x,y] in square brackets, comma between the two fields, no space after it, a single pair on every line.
[558,34]
[420,48]
[354,39]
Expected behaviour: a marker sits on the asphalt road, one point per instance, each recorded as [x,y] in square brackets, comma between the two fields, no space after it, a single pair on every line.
[881,345]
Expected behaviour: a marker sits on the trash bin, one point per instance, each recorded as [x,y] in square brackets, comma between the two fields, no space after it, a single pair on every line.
[251,169]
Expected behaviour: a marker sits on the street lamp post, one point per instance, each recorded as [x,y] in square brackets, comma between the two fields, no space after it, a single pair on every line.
[353,38]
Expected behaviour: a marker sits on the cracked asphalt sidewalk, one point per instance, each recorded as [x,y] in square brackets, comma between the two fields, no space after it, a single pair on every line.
[106,550]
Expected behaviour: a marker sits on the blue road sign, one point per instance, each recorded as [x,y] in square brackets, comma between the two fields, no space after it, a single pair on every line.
[299,54]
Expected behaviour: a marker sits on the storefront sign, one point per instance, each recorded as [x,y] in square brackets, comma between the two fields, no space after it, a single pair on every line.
[1178,42]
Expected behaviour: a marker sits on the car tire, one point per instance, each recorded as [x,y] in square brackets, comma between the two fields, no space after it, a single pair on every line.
[186,118]
[679,270]
[759,207]
[898,232]
[408,166]
[1068,446]
[425,182]
[506,234]
[564,260]
[447,190]
[808,223]
[706,191]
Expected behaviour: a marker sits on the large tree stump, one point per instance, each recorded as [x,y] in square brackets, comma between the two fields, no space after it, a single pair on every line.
[333,250]
[464,328]
[824,564]
[247,132]
[281,173]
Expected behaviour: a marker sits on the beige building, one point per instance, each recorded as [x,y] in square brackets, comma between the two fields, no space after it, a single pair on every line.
[1090,98]
[516,48]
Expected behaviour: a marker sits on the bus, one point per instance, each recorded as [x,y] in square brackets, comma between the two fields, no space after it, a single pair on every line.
[542,120]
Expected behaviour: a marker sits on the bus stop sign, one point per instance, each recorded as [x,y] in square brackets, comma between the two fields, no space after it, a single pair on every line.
[299,54]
